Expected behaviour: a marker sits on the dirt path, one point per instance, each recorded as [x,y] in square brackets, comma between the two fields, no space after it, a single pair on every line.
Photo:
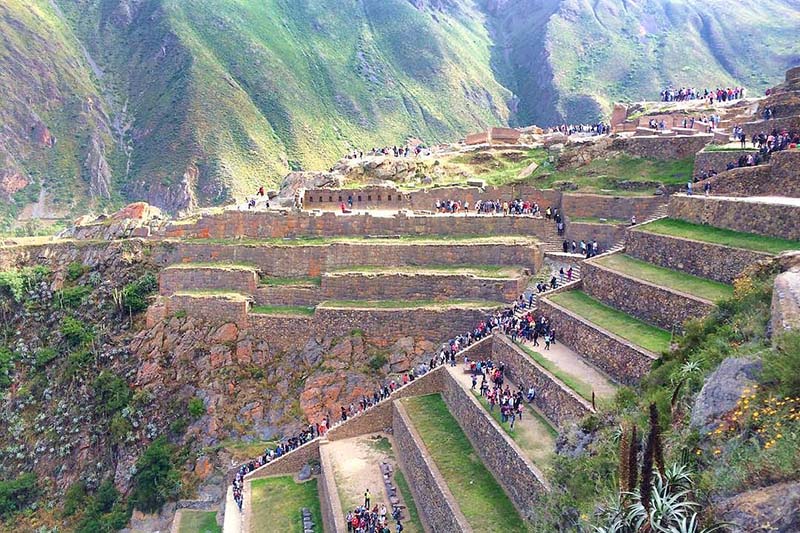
[532,434]
[573,364]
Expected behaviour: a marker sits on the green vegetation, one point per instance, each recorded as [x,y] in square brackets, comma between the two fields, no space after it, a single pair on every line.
[277,502]
[45,356]
[724,237]
[7,359]
[196,407]
[582,388]
[134,295]
[408,498]
[199,522]
[632,329]
[377,362]
[156,481]
[76,270]
[73,296]
[111,392]
[274,281]
[77,333]
[17,493]
[619,175]
[19,282]
[105,511]
[410,304]
[480,498]
[673,279]
[294,310]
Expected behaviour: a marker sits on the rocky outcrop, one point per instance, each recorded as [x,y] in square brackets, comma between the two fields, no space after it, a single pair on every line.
[134,220]
[722,390]
[775,509]
[786,302]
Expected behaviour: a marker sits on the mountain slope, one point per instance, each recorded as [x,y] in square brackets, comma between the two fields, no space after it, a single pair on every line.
[192,102]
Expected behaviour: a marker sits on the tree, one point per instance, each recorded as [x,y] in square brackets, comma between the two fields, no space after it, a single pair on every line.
[156,480]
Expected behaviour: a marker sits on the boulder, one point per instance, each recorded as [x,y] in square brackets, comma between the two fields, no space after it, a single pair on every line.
[775,509]
[722,390]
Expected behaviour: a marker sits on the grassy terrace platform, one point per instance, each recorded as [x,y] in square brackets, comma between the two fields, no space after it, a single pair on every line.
[725,237]
[672,279]
[575,383]
[216,266]
[282,310]
[410,304]
[480,271]
[481,499]
[276,504]
[623,325]
[214,293]
[446,240]
[199,522]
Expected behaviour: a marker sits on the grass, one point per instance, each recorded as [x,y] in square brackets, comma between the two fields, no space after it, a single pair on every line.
[623,325]
[484,504]
[293,310]
[199,522]
[481,271]
[721,236]
[275,281]
[673,279]
[410,304]
[582,388]
[408,497]
[244,451]
[276,504]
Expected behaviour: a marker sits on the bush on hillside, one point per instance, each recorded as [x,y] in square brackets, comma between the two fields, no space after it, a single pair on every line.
[156,480]
[7,359]
[782,365]
[15,494]
[134,295]
[75,271]
[76,333]
[17,282]
[73,296]
[196,407]
[111,393]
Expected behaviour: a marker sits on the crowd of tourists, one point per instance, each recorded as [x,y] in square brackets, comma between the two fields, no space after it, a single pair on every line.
[364,519]
[599,128]
[492,207]
[671,94]
[394,151]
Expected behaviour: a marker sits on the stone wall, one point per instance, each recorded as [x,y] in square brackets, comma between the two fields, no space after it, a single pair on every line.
[287,295]
[278,225]
[770,219]
[652,303]
[766,126]
[607,235]
[290,464]
[717,160]
[242,280]
[519,477]
[333,515]
[435,502]
[662,148]
[705,260]
[368,286]
[313,260]
[616,207]
[284,333]
[214,309]
[620,359]
[560,404]
[744,181]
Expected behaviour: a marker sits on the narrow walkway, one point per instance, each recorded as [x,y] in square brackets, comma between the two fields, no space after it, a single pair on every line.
[534,437]
[233,518]
[573,364]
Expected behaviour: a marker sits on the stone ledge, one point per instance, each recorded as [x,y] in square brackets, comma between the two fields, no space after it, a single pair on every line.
[658,305]
[623,361]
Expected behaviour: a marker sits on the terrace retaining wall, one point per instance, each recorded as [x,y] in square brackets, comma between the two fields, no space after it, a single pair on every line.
[287,295]
[616,207]
[647,301]
[705,260]
[434,500]
[242,280]
[770,219]
[620,359]
[718,160]
[560,404]
[332,512]
[662,148]
[518,476]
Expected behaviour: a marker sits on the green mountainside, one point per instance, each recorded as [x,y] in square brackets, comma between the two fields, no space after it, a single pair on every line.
[192,102]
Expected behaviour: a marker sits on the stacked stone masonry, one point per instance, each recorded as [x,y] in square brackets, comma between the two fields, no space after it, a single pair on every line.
[313,260]
[242,280]
[705,260]
[770,219]
[652,303]
[662,148]
[718,160]
[560,404]
[620,359]
[287,295]
[333,517]
[211,308]
[434,501]
[612,207]
[518,476]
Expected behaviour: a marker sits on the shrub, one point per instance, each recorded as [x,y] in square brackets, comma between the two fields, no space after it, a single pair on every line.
[134,295]
[156,480]
[120,427]
[76,332]
[76,270]
[74,498]
[196,408]
[15,494]
[73,296]
[377,362]
[7,359]
[45,356]
[782,364]
[77,361]
[19,281]
[111,393]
